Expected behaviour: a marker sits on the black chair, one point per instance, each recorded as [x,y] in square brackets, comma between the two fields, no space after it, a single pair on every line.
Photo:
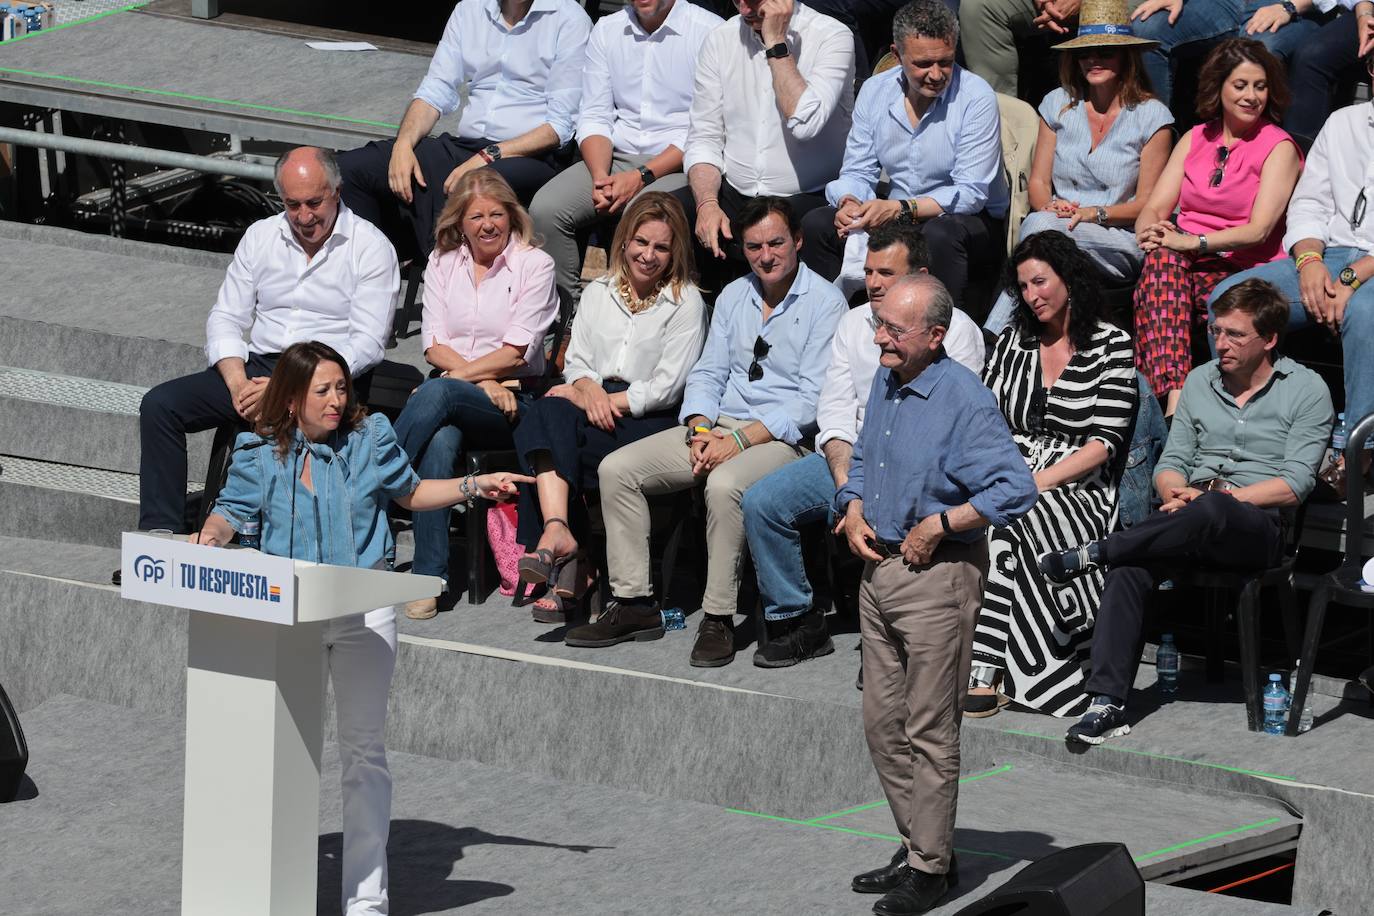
[1343,585]
[408,310]
[217,471]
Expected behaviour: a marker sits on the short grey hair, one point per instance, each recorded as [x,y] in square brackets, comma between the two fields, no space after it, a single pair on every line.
[939,303]
[925,19]
[327,160]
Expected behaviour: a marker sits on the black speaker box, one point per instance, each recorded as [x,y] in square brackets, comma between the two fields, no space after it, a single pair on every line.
[1098,879]
[14,750]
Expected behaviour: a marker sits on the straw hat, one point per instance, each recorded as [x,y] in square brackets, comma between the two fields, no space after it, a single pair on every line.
[1104,24]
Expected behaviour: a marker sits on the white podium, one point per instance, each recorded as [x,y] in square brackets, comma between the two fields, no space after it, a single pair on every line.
[254,717]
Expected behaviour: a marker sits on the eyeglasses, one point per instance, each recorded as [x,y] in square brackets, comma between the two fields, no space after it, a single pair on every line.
[1035,410]
[761,348]
[1357,212]
[894,333]
[1239,338]
[1223,153]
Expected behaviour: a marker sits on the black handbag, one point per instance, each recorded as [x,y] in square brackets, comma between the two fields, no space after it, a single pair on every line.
[14,750]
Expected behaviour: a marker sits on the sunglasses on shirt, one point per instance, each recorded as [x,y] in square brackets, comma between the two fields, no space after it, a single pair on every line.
[1223,153]
[1035,410]
[761,348]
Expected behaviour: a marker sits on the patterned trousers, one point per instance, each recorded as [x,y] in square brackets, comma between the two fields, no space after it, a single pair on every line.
[1169,299]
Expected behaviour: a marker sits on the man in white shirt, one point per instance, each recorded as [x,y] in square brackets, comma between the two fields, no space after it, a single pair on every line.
[314,272]
[770,112]
[636,92]
[1330,241]
[799,494]
[521,63]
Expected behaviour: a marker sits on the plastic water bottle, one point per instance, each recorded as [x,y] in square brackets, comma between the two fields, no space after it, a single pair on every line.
[1275,705]
[1338,437]
[673,618]
[1305,719]
[249,536]
[1166,666]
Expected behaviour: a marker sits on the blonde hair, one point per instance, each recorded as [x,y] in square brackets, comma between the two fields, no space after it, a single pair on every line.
[647,208]
[483,182]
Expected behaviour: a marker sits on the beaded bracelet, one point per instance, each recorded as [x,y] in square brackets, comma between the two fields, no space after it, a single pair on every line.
[742,442]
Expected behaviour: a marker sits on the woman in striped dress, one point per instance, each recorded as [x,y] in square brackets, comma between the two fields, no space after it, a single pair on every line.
[1066,384]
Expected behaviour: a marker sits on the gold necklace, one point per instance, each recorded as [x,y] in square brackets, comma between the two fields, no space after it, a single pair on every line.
[633,302]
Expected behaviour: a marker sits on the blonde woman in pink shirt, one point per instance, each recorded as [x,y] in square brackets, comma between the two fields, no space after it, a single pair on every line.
[489,299]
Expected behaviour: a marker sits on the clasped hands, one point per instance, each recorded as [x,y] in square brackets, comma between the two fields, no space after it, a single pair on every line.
[1323,298]
[853,216]
[1071,211]
[711,449]
[1164,234]
[612,193]
[592,400]
[247,398]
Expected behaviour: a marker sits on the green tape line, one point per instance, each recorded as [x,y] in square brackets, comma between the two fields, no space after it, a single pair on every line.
[862,833]
[1127,750]
[196,98]
[82,21]
[974,777]
[1204,839]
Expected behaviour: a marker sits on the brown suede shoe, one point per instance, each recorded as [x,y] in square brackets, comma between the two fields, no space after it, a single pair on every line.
[422,608]
[620,622]
[715,645]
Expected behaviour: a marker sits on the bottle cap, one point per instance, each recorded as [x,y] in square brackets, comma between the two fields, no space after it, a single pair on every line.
[1274,678]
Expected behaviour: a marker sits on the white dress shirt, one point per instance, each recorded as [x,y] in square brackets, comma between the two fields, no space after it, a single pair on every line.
[345,296]
[854,362]
[517,77]
[654,351]
[637,87]
[736,124]
[1337,169]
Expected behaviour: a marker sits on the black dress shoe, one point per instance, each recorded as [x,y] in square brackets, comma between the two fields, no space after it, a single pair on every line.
[917,892]
[715,645]
[885,879]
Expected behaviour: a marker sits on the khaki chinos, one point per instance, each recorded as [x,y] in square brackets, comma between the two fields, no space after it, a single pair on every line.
[917,626]
[662,463]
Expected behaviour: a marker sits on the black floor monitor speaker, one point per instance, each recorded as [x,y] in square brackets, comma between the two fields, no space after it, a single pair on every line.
[14,750]
[1098,879]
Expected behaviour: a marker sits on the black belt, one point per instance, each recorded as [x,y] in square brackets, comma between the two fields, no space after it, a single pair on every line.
[890,549]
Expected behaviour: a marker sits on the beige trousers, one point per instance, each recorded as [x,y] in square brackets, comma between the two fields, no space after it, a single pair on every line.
[662,464]
[917,627]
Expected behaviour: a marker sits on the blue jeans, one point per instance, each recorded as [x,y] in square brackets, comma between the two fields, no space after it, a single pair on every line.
[1200,20]
[1357,327]
[775,509]
[1314,68]
[443,417]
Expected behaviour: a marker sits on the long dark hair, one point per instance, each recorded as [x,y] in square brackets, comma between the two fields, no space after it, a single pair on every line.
[291,382]
[1080,277]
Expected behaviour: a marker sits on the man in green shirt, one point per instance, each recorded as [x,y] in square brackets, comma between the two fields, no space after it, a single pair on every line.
[1246,441]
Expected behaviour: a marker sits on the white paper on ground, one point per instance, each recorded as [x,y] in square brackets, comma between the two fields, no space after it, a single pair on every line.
[341,45]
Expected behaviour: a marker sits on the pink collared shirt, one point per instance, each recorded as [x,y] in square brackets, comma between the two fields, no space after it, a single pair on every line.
[514,304]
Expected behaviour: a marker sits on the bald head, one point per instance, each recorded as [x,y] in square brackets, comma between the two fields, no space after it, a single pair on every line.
[308,180]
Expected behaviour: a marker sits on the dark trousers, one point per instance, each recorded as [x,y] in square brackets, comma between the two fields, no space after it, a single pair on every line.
[715,273]
[1313,71]
[1215,530]
[958,242]
[169,411]
[411,226]
[576,448]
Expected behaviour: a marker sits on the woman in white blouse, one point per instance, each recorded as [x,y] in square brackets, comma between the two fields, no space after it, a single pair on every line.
[638,332]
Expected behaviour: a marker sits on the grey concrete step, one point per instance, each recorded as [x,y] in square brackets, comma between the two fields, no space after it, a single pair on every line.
[78,421]
[48,346]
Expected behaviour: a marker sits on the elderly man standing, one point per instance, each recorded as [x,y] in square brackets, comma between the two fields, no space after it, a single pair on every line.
[933,467]
[314,272]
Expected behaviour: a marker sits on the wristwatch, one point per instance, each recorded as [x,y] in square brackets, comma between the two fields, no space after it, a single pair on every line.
[944,523]
[1347,277]
[1201,244]
[491,153]
[1101,218]
[777,51]
[646,175]
[1290,9]
[906,215]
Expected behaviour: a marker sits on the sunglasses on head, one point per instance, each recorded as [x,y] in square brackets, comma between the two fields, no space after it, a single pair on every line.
[761,348]
[1223,153]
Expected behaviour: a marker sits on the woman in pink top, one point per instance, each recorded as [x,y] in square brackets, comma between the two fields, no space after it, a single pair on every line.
[1230,179]
[489,299]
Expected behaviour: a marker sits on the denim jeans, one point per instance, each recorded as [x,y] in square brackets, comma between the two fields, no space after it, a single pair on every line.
[775,509]
[441,419]
[1357,327]
[1200,20]
[1314,68]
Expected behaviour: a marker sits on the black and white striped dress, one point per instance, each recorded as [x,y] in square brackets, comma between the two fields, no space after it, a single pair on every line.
[1036,631]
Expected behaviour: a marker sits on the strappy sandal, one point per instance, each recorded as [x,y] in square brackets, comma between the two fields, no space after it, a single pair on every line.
[541,565]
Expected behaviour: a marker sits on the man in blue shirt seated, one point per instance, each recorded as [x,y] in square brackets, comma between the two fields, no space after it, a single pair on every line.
[1246,440]
[520,62]
[933,127]
[749,407]
[934,465]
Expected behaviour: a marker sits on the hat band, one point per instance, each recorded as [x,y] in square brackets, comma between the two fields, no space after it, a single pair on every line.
[1106,28]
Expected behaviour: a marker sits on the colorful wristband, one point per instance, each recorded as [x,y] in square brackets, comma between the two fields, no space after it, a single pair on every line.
[1305,257]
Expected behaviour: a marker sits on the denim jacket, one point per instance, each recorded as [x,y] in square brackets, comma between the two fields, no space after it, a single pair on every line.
[343,521]
[1136,494]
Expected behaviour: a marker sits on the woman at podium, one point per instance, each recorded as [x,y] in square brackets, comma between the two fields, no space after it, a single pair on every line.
[316,475]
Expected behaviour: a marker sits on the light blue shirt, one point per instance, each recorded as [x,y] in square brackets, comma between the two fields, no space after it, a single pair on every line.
[933,444]
[1108,174]
[798,335]
[518,78]
[342,520]
[953,155]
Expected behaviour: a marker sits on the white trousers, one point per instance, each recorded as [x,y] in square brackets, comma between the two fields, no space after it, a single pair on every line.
[360,655]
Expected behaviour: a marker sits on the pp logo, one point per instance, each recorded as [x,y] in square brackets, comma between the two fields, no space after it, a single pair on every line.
[148,569]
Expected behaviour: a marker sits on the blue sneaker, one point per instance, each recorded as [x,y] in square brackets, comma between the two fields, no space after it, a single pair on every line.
[1104,719]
